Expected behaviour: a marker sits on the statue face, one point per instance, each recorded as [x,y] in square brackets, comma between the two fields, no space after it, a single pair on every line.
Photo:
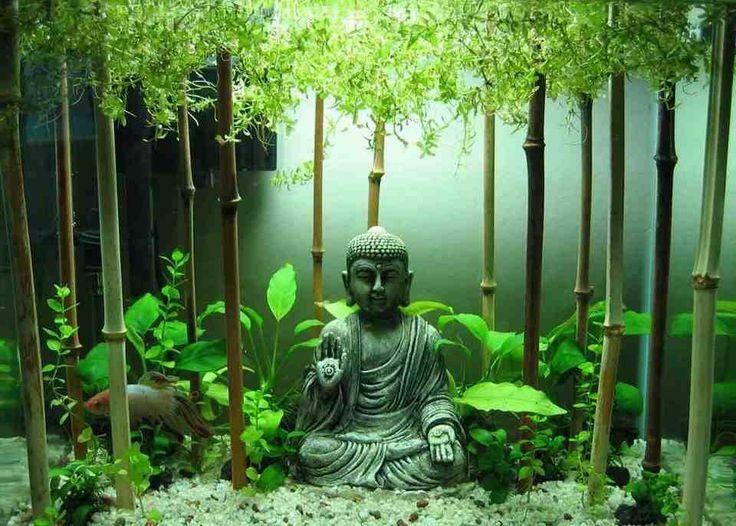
[378,287]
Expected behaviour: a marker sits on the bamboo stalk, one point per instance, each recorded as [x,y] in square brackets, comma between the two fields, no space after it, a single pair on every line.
[67,267]
[11,168]
[187,196]
[583,290]
[318,249]
[488,283]
[114,329]
[229,199]
[377,172]
[706,272]
[613,324]
[534,149]
[666,158]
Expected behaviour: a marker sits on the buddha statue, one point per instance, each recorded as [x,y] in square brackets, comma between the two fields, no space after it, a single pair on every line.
[374,406]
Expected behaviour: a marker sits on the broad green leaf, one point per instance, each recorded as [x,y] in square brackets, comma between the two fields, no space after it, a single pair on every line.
[637,323]
[628,399]
[55,305]
[726,306]
[338,309]
[251,473]
[281,293]
[306,325]
[489,396]
[495,340]
[143,313]
[93,368]
[175,330]
[253,315]
[307,344]
[202,356]
[567,356]
[444,342]
[251,434]
[682,324]
[566,328]
[219,393]
[419,308]
[271,478]
[472,322]
[268,422]
[482,436]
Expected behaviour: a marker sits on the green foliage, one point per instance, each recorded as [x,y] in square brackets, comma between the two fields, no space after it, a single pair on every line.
[496,460]
[660,493]
[138,467]
[203,356]
[9,381]
[682,324]
[76,489]
[487,396]
[268,444]
[628,399]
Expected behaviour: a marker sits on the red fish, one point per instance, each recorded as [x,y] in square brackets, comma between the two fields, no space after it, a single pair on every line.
[156,399]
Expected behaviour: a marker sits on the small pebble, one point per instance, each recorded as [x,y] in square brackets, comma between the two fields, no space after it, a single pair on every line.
[567,517]
[255,508]
[401,522]
[423,503]
[413,517]
[375,514]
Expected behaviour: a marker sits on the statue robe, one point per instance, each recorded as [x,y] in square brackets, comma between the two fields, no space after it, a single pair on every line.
[372,429]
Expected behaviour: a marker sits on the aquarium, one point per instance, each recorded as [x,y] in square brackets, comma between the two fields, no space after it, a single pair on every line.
[334,262]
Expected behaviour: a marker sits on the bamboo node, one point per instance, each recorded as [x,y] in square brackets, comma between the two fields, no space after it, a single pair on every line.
[583,294]
[376,175]
[665,159]
[317,254]
[187,192]
[114,336]
[229,204]
[704,281]
[532,143]
[613,330]
[488,287]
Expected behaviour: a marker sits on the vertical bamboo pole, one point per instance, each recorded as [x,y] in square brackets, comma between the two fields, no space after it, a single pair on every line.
[11,169]
[377,172]
[488,283]
[67,267]
[583,290]
[613,324]
[706,272]
[187,196]
[114,329]
[229,199]
[666,158]
[534,148]
[318,249]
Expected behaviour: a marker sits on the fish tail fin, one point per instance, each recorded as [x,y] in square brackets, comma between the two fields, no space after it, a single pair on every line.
[189,412]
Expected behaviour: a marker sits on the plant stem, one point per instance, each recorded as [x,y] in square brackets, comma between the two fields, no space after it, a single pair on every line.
[114,328]
[187,196]
[613,325]
[229,199]
[706,272]
[273,356]
[11,168]
[67,269]
[377,172]
[666,158]
[488,283]
[318,249]
[583,290]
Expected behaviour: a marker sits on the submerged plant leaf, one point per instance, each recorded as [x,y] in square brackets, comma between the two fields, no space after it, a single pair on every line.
[472,322]
[281,293]
[306,325]
[420,308]
[202,356]
[143,313]
[568,355]
[338,309]
[489,396]
[628,399]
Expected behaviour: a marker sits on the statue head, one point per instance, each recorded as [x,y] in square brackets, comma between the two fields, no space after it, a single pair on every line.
[377,278]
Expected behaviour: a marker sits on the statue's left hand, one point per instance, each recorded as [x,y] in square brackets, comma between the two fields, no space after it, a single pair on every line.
[441,438]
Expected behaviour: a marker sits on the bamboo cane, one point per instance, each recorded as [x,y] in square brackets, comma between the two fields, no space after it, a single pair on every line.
[706,272]
[11,169]
[229,199]
[583,290]
[666,158]
[187,196]
[534,149]
[114,329]
[613,324]
[377,172]
[488,283]
[67,267]
[318,249]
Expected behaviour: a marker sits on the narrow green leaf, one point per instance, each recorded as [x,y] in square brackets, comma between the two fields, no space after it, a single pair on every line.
[338,309]
[307,344]
[306,325]
[420,308]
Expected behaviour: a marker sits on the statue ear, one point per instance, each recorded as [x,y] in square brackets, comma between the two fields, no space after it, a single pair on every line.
[407,290]
[349,300]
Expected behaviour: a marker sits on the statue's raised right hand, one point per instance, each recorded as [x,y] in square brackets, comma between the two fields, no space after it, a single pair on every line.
[330,363]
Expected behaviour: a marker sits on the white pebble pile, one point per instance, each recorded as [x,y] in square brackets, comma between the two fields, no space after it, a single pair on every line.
[189,502]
